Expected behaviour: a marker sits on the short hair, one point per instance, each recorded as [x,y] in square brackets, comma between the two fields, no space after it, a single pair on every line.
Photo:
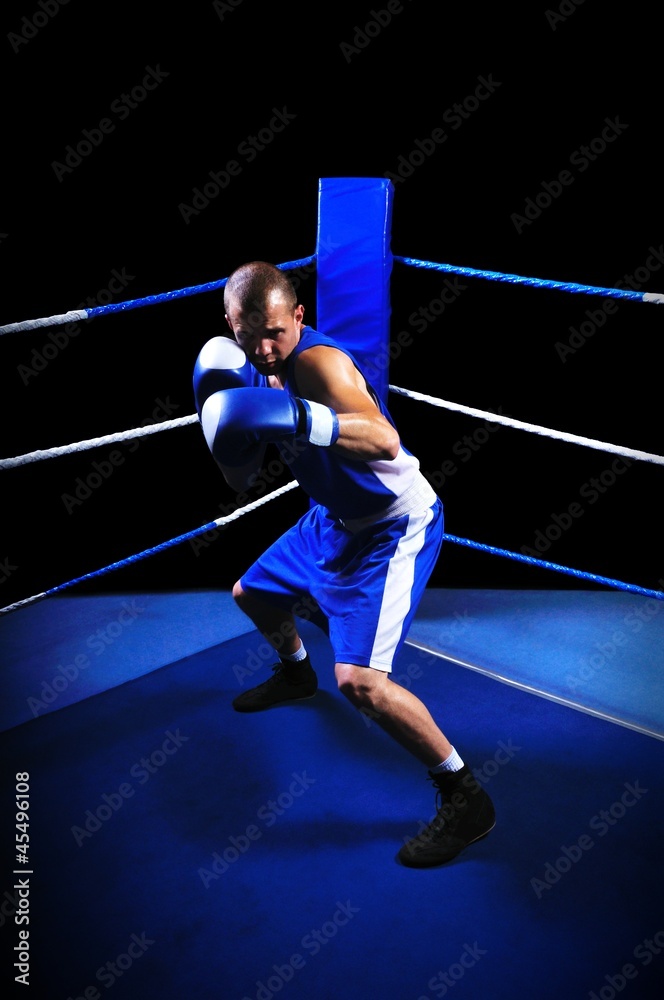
[250,285]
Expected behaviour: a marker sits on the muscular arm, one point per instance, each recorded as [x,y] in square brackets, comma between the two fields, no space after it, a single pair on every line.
[328,376]
[333,409]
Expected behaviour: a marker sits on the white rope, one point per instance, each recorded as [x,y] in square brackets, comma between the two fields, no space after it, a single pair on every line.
[227,518]
[533,428]
[33,324]
[204,529]
[68,449]
[23,603]
[494,418]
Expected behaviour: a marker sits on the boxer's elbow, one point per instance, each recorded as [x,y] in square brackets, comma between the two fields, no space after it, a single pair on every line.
[392,447]
[387,443]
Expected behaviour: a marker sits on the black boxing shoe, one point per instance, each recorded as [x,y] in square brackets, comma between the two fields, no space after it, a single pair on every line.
[465,813]
[289,682]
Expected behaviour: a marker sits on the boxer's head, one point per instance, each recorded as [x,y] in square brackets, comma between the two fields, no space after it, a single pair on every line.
[263,313]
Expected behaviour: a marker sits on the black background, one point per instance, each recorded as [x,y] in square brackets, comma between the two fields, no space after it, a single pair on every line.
[559,73]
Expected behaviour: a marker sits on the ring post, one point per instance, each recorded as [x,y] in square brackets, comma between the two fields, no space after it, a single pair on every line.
[354,269]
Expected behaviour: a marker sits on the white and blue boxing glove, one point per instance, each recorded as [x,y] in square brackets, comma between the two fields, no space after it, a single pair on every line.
[236,421]
[222,364]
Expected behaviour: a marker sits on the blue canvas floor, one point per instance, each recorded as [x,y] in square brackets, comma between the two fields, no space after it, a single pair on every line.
[597,651]
[179,849]
[60,651]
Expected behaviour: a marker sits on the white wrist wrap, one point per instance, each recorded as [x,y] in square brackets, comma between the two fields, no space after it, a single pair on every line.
[324,425]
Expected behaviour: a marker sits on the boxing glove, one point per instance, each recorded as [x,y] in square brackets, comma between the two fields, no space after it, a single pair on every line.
[236,421]
[222,364]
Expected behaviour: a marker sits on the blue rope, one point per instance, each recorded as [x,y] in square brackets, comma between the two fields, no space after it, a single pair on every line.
[606,581]
[211,286]
[516,279]
[152,300]
[213,525]
[411,262]
[543,564]
[180,293]
[148,300]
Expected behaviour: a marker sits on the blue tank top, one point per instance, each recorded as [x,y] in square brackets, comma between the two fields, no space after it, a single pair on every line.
[348,489]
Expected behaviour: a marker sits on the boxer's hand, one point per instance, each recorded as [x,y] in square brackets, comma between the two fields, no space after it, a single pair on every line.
[222,364]
[236,421]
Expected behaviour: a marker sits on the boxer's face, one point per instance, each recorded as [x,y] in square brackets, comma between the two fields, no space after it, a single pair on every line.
[267,336]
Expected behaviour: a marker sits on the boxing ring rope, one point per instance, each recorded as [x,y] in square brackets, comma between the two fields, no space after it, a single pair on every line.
[221,522]
[167,425]
[517,279]
[74,315]
[69,449]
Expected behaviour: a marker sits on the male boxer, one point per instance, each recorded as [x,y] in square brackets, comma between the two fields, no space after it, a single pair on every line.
[364,550]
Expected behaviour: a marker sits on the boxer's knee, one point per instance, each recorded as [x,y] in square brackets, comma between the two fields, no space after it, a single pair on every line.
[358,684]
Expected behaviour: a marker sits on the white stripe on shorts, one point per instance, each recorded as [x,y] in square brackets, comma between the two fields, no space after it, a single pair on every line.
[398,590]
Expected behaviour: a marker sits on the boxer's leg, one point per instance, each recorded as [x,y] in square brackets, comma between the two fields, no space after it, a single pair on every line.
[293,677]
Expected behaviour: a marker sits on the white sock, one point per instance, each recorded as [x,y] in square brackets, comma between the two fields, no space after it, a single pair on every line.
[451,763]
[295,657]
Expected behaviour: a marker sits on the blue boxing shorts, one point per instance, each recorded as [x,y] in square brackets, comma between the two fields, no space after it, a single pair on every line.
[366,577]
